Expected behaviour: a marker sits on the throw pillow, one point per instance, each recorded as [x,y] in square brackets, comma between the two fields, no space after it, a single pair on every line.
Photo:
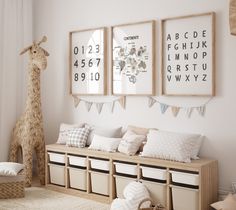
[10,168]
[77,137]
[103,143]
[64,131]
[138,130]
[229,203]
[131,143]
[103,131]
[170,145]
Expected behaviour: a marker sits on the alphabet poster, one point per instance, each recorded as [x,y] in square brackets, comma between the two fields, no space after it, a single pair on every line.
[188,55]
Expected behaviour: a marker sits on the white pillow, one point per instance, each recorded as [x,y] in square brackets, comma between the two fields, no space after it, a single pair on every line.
[104,143]
[170,145]
[197,147]
[78,137]
[64,130]
[102,131]
[10,168]
[131,143]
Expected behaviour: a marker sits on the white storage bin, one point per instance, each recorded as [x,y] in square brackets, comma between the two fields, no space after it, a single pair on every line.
[78,178]
[158,191]
[125,168]
[185,178]
[185,198]
[77,161]
[100,183]
[56,158]
[57,174]
[121,183]
[100,164]
[154,173]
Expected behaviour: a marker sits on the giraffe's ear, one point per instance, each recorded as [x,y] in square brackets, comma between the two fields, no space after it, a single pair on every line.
[45,52]
[25,50]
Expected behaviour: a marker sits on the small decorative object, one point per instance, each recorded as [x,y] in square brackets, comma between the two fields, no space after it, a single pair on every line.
[88,62]
[133,59]
[232,17]
[188,47]
[28,131]
[229,203]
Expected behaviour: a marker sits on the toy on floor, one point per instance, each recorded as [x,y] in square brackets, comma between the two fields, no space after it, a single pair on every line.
[28,131]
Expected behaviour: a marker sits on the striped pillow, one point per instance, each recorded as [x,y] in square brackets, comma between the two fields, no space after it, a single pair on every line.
[77,137]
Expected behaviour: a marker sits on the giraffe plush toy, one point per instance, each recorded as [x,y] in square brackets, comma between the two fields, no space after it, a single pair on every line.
[28,131]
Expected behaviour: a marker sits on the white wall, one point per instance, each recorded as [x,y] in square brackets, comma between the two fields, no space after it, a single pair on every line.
[55,18]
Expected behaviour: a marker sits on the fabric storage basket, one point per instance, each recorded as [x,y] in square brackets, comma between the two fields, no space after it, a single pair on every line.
[185,198]
[121,183]
[158,191]
[77,161]
[56,157]
[57,174]
[78,178]
[185,178]
[125,168]
[100,183]
[100,164]
[153,173]
[12,186]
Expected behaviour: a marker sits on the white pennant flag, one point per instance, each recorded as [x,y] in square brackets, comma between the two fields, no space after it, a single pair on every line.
[175,110]
[188,111]
[151,102]
[99,107]
[76,101]
[122,101]
[164,107]
[112,105]
[88,105]
[201,110]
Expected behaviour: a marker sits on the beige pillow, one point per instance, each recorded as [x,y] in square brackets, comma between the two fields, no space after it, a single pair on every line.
[138,130]
[229,203]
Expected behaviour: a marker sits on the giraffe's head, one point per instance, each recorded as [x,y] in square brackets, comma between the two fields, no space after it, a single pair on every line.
[38,55]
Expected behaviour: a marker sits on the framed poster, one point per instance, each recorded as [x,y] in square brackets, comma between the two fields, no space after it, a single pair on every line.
[188,50]
[88,62]
[133,59]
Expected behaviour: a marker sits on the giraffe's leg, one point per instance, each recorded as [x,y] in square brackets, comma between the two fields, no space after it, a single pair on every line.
[28,163]
[40,154]
[13,151]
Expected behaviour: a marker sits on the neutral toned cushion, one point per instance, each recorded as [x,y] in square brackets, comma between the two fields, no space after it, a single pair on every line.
[103,131]
[229,203]
[170,145]
[197,147]
[138,130]
[64,130]
[103,143]
[77,137]
[10,168]
[131,143]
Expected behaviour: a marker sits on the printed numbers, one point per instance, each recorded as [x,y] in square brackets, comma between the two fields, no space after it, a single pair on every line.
[89,63]
[90,49]
[92,76]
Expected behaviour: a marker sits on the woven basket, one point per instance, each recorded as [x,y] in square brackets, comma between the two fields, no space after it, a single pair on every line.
[156,207]
[12,187]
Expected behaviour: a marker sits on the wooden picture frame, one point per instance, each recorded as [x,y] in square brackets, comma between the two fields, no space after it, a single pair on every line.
[88,61]
[133,58]
[188,55]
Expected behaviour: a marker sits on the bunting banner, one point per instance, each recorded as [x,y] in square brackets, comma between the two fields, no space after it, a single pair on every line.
[176,109]
[99,105]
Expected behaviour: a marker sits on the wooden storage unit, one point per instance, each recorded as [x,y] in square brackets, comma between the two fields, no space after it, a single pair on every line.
[205,169]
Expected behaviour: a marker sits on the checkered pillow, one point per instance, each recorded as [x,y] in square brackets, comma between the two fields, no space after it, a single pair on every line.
[78,137]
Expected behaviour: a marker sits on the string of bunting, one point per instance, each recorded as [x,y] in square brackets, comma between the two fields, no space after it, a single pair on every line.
[99,105]
[176,109]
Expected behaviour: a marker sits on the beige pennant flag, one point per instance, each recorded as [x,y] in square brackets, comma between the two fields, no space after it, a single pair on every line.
[112,106]
[88,105]
[122,101]
[175,110]
[99,107]
[76,101]
[151,102]
[201,110]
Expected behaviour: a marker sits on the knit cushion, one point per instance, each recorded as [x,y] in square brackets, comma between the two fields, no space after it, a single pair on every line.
[10,168]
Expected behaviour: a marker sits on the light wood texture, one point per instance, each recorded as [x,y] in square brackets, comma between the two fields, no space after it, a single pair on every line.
[206,169]
[232,17]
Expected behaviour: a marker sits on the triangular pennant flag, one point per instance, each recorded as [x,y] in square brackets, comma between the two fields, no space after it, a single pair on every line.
[112,105]
[151,102]
[99,107]
[88,105]
[122,101]
[201,110]
[175,110]
[164,107]
[76,101]
[188,111]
